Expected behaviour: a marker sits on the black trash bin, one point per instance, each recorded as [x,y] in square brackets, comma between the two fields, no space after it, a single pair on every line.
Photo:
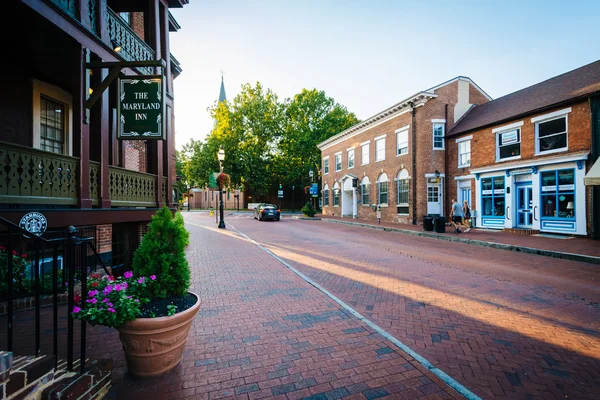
[428,223]
[439,225]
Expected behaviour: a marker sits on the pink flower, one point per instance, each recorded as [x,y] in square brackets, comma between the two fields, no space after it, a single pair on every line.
[93,300]
[92,293]
[76,309]
[110,304]
[141,280]
[108,289]
[118,287]
[128,274]
[137,300]
[111,309]
[153,277]
[125,285]
[15,253]
[106,300]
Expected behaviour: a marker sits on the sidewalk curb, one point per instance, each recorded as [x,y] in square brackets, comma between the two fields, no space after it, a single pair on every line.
[494,245]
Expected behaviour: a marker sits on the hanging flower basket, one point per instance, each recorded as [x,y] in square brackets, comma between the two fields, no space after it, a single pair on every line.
[223,180]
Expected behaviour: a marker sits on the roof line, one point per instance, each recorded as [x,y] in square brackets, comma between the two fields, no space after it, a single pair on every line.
[461,77]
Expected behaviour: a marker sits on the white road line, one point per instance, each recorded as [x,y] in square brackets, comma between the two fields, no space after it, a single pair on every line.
[447,379]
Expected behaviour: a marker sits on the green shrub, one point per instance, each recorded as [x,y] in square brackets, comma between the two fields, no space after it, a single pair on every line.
[162,253]
[309,210]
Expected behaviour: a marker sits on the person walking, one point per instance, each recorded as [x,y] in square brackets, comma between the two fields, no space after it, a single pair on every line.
[457,217]
[467,216]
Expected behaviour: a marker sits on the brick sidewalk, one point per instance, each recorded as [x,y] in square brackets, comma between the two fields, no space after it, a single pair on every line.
[574,245]
[262,332]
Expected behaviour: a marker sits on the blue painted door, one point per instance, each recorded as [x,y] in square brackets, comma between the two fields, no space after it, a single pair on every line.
[524,206]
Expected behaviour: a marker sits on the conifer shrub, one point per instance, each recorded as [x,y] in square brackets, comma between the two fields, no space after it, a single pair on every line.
[162,253]
[309,210]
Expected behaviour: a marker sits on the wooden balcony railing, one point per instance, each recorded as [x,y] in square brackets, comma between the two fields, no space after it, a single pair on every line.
[31,176]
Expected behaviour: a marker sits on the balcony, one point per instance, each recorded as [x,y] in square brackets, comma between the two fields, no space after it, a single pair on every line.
[31,176]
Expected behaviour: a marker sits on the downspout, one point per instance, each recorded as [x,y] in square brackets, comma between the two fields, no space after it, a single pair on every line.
[414,163]
[446,180]
[594,234]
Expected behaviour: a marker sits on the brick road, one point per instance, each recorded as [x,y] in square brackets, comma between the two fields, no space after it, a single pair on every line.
[262,332]
[503,324]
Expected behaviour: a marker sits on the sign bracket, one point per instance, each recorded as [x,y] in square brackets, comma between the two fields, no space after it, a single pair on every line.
[115,69]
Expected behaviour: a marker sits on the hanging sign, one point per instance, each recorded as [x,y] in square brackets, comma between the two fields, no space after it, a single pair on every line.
[212,180]
[141,108]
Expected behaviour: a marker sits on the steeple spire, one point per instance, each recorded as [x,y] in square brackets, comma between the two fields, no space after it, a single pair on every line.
[222,96]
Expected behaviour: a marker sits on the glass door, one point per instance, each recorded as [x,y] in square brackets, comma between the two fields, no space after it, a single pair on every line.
[524,206]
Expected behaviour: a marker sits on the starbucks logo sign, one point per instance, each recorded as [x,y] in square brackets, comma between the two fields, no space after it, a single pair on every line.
[34,222]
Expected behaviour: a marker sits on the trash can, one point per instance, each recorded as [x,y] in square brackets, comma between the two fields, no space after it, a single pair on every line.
[428,223]
[439,225]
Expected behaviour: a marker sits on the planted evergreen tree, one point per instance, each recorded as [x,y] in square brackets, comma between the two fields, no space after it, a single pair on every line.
[162,253]
[309,210]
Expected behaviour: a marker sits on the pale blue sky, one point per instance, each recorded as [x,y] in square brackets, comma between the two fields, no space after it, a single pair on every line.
[368,55]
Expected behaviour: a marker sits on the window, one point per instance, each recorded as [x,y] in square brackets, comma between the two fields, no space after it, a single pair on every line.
[551,136]
[227,195]
[336,195]
[365,189]
[382,189]
[464,153]
[125,16]
[350,158]
[364,157]
[402,192]
[438,136]
[338,162]
[402,141]
[508,144]
[52,125]
[326,165]
[558,194]
[492,196]
[380,149]
[52,116]
[433,194]
[326,196]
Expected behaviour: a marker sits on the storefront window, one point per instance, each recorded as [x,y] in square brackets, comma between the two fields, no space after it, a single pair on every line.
[492,196]
[558,194]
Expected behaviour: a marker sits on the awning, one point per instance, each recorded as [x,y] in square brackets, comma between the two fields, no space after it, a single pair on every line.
[592,178]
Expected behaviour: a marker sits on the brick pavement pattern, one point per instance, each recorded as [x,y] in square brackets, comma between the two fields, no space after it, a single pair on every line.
[503,324]
[263,332]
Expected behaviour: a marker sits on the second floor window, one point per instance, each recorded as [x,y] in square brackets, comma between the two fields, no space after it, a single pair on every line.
[438,136]
[509,144]
[364,153]
[326,165]
[551,135]
[350,158]
[338,162]
[52,125]
[464,153]
[402,142]
[380,149]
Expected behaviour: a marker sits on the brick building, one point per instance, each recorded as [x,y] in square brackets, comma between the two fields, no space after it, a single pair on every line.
[397,158]
[521,161]
[529,153]
[77,171]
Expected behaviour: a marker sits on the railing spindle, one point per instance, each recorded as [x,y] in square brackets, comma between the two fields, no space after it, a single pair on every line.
[9,320]
[70,264]
[83,280]
[37,266]
[55,303]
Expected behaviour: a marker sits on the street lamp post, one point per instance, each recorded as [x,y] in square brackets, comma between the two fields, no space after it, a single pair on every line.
[221,157]
[310,175]
[292,198]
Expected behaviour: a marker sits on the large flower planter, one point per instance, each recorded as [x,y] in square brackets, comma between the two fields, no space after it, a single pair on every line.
[154,346]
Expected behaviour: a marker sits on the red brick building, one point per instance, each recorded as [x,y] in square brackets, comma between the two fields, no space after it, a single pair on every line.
[62,157]
[521,160]
[396,159]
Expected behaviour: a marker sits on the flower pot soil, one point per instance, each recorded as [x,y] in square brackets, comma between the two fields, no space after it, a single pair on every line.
[154,346]
[158,307]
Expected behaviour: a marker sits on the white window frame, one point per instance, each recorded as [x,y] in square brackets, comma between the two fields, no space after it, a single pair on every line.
[402,144]
[498,159]
[365,184]
[326,195]
[387,189]
[336,161]
[378,140]
[348,152]
[547,118]
[363,146]
[336,189]
[466,139]
[434,123]
[326,165]
[57,94]
[402,176]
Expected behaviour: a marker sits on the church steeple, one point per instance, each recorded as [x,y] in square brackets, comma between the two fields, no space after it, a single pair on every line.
[222,96]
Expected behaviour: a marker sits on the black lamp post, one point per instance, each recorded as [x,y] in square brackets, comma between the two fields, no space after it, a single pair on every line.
[221,157]
[292,198]
[310,175]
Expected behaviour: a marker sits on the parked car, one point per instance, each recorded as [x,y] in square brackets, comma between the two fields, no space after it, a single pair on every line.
[267,211]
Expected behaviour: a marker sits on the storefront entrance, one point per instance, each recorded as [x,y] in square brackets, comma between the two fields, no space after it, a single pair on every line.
[524,206]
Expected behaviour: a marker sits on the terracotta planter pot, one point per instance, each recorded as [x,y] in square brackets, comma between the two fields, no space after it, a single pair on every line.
[154,346]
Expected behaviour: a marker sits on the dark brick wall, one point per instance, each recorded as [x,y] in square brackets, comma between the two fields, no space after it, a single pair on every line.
[16,110]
